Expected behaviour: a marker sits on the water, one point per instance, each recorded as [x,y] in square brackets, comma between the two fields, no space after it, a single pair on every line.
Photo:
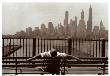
[78,49]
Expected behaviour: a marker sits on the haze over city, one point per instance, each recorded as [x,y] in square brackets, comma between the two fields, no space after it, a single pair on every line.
[19,16]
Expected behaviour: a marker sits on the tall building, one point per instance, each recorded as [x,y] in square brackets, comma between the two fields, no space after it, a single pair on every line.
[71,34]
[81,29]
[51,30]
[56,31]
[75,26]
[82,15]
[96,32]
[66,24]
[29,31]
[61,31]
[43,28]
[76,21]
[36,28]
[102,30]
[89,24]
[66,18]
[36,32]
[43,31]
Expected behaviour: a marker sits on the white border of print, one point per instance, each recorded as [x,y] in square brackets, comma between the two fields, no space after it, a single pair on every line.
[108,1]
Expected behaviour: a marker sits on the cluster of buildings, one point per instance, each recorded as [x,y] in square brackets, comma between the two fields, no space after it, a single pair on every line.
[70,29]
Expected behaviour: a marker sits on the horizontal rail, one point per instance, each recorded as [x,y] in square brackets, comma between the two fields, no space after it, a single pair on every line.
[66,65]
[59,39]
[87,62]
[28,73]
[88,65]
[56,57]
[37,69]
[69,62]
[23,65]
[39,38]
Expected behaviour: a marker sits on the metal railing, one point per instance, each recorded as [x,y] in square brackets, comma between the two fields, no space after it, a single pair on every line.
[31,47]
[26,48]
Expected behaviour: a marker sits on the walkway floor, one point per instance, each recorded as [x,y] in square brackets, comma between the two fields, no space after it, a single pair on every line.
[72,70]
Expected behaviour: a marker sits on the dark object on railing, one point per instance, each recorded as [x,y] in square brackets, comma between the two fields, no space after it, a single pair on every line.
[34,47]
[69,46]
[16,65]
[3,48]
[103,48]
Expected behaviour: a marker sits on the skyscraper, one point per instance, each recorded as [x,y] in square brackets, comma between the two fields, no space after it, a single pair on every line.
[102,30]
[82,14]
[75,27]
[89,24]
[66,24]
[71,28]
[36,32]
[96,32]
[50,29]
[81,30]
[43,30]
[76,21]
[66,18]
[60,31]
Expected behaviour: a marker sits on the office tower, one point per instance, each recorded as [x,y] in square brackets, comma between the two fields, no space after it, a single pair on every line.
[76,21]
[82,14]
[43,31]
[51,29]
[36,32]
[81,29]
[29,31]
[66,18]
[43,28]
[71,28]
[96,32]
[89,24]
[66,24]
[75,27]
[102,30]
[61,31]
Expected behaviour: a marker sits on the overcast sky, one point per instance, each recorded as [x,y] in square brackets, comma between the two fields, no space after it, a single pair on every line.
[18,16]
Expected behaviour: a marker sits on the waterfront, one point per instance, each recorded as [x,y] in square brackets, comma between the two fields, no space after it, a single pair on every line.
[83,49]
[80,48]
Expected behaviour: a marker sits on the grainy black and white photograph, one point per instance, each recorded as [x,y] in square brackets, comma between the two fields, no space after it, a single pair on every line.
[56,38]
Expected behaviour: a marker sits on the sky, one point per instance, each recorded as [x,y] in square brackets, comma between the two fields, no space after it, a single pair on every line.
[19,16]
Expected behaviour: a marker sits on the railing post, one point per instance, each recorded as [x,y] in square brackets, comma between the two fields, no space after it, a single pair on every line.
[34,47]
[103,48]
[69,46]
[103,54]
[3,49]
[16,65]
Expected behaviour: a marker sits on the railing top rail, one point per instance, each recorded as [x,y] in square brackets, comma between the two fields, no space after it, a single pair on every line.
[59,39]
[56,58]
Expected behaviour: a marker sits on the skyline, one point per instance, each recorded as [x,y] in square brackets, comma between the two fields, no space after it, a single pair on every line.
[68,30]
[21,19]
